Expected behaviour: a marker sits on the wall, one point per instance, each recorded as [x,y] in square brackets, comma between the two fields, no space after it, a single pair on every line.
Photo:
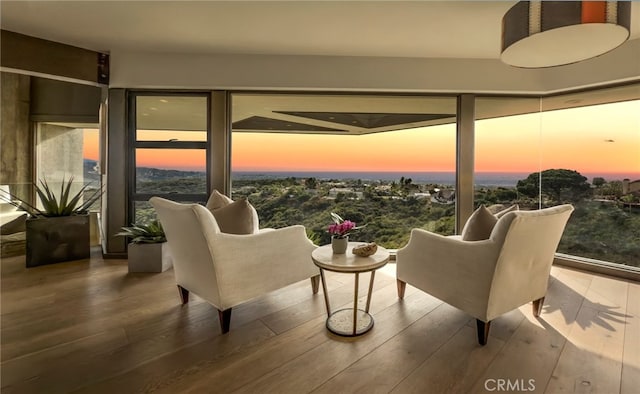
[16,153]
[60,156]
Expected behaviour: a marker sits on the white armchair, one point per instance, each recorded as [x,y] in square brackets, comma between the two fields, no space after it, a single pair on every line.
[490,277]
[228,269]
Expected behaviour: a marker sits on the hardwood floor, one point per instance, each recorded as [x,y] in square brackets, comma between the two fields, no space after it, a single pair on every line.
[91,327]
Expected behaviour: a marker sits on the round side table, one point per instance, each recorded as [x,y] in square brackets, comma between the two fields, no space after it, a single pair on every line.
[352,321]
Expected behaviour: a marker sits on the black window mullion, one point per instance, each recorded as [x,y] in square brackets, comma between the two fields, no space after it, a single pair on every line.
[171,144]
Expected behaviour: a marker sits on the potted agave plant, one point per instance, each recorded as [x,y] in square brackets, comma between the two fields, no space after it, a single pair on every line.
[148,249]
[60,230]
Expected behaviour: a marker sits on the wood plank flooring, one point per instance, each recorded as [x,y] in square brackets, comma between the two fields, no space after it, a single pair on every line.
[91,327]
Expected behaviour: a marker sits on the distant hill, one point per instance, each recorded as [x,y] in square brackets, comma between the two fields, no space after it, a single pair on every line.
[145,174]
[91,171]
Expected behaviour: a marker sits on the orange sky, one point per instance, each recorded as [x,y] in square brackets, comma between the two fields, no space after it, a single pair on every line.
[424,149]
[599,139]
[91,144]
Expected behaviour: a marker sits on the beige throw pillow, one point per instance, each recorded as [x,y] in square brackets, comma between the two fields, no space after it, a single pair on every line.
[479,225]
[217,200]
[233,217]
[506,211]
[495,208]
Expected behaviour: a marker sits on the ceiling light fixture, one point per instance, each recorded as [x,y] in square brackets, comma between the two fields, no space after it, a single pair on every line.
[553,33]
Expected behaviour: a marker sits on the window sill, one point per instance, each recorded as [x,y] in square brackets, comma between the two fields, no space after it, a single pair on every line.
[598,266]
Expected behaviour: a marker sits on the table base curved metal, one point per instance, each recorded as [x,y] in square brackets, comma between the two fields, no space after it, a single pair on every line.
[360,320]
[341,322]
[348,263]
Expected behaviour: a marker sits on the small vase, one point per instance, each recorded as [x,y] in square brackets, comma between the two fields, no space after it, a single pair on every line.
[339,245]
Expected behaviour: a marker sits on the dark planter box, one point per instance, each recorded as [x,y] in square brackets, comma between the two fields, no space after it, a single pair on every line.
[57,239]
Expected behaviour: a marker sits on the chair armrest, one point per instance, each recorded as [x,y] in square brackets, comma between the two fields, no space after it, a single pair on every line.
[250,265]
[435,247]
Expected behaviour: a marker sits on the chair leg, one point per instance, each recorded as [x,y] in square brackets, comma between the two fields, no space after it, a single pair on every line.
[537,306]
[225,319]
[315,283]
[401,287]
[184,294]
[483,331]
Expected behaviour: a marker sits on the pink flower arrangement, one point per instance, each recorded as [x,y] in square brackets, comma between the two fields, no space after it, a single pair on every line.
[341,227]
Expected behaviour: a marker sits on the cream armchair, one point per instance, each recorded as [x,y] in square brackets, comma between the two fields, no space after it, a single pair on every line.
[489,277]
[227,269]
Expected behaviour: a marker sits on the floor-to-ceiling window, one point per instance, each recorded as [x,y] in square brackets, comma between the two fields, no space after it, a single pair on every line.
[590,144]
[66,123]
[387,162]
[578,148]
[507,150]
[170,140]
[66,151]
[65,119]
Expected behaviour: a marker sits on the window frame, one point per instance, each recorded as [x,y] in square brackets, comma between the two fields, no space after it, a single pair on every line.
[134,144]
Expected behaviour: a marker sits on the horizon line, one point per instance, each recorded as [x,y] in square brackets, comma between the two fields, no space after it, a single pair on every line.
[591,173]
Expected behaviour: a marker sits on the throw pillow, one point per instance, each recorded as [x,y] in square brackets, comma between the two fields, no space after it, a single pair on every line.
[495,208]
[217,200]
[507,210]
[237,217]
[479,225]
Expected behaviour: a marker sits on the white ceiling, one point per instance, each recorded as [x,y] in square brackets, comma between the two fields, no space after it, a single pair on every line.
[436,29]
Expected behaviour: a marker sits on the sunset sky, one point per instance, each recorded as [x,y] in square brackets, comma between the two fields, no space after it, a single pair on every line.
[600,139]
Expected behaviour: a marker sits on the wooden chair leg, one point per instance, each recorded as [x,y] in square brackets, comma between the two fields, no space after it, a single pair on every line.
[401,287]
[483,331]
[537,306]
[225,319]
[184,294]
[315,283]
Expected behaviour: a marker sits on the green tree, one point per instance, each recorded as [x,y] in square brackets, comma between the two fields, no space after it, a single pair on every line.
[612,189]
[311,183]
[559,185]
[506,195]
[598,181]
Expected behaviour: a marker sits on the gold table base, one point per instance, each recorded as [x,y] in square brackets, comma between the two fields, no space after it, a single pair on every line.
[341,322]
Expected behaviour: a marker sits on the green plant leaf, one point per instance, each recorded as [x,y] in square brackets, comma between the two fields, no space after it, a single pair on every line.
[48,199]
[71,206]
[88,202]
[64,204]
[144,233]
[19,203]
[64,195]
